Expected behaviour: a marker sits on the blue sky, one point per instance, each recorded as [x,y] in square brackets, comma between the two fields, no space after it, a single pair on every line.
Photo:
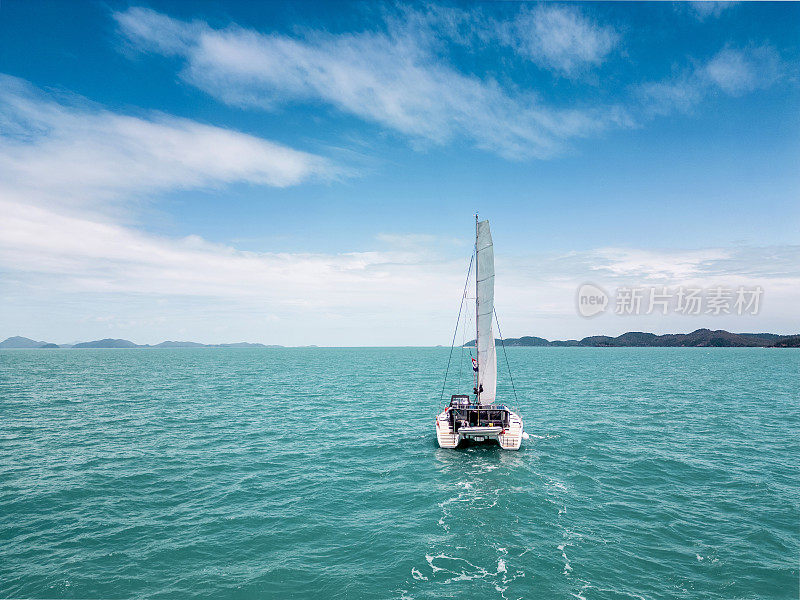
[308,173]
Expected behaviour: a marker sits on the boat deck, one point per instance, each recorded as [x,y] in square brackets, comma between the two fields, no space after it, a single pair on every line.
[465,420]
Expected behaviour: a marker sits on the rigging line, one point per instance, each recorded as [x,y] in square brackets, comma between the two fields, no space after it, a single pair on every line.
[464,329]
[503,344]
[455,333]
[461,348]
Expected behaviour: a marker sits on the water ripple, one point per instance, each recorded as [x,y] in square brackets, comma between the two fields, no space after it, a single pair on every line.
[285,473]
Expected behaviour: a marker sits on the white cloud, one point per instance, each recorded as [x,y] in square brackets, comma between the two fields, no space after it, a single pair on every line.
[739,71]
[123,280]
[559,37]
[92,255]
[392,78]
[705,9]
[49,253]
[406,240]
[399,76]
[58,153]
[64,162]
[76,152]
[731,71]
[665,97]
[674,265]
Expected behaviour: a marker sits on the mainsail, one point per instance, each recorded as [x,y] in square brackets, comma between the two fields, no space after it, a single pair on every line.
[487,361]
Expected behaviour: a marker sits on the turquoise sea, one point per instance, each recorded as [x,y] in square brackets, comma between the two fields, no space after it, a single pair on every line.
[314,473]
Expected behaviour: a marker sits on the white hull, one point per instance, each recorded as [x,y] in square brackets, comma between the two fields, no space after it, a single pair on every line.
[509,438]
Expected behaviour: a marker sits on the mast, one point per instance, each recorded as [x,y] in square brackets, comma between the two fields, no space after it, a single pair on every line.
[477,355]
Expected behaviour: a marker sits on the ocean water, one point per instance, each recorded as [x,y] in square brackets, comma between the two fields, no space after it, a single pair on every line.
[314,473]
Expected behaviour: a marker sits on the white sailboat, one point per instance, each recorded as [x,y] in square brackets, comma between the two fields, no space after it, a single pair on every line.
[480,419]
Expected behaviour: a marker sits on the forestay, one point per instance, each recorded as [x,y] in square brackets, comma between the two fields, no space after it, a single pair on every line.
[487,361]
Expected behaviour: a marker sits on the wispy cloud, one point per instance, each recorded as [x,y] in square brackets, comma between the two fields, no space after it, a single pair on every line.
[158,285]
[393,78]
[403,294]
[419,240]
[555,37]
[80,253]
[740,71]
[706,9]
[73,151]
[399,75]
[672,265]
[731,71]
[559,37]
[59,152]
[64,162]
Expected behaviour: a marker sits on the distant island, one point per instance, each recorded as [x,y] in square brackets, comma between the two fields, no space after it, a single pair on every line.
[700,338]
[23,342]
[633,339]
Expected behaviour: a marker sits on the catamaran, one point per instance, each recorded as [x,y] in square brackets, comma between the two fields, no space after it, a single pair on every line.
[480,419]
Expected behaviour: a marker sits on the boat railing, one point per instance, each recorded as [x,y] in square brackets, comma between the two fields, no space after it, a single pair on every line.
[480,407]
[455,410]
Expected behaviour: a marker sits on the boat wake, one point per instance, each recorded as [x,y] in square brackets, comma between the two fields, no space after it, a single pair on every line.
[443,568]
[475,518]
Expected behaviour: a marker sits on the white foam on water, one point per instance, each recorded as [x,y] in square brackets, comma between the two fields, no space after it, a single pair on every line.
[617,592]
[567,566]
[467,577]
[417,575]
[478,500]
[465,571]
[448,569]
[433,567]
[579,594]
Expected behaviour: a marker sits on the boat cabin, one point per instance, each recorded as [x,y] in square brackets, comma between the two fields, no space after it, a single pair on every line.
[463,413]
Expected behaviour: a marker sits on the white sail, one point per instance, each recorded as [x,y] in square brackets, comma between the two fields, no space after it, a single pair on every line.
[487,361]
